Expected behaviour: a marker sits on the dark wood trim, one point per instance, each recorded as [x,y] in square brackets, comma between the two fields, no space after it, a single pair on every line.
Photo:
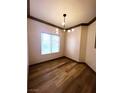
[46,61]
[90,68]
[80,63]
[74,60]
[37,19]
[60,58]
[82,24]
[42,21]
[90,22]
[70,59]
[28,7]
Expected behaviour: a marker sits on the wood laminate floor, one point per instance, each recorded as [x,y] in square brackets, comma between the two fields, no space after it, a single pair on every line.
[61,76]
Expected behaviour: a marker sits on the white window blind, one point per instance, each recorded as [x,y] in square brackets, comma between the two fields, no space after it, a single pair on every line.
[49,43]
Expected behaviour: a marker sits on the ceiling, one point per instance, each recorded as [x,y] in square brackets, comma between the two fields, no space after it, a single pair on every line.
[78,11]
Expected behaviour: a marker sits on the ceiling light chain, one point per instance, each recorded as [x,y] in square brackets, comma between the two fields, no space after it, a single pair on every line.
[63,23]
[57,30]
[64,15]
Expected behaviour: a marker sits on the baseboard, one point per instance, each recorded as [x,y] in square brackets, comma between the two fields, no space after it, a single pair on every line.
[45,61]
[91,68]
[60,58]
[80,63]
[74,60]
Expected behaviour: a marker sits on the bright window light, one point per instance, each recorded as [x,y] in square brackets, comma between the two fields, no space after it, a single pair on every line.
[46,46]
[55,43]
[49,43]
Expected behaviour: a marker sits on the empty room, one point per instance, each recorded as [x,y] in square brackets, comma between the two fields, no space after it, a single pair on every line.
[61,46]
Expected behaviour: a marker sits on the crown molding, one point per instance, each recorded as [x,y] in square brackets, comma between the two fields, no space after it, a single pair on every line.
[42,21]
[83,24]
[91,21]
[37,19]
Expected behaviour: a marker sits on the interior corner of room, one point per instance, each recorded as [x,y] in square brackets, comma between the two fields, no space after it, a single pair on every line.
[77,45]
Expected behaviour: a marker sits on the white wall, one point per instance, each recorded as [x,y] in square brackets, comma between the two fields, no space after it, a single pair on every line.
[79,45]
[76,43]
[83,42]
[91,51]
[72,46]
[34,30]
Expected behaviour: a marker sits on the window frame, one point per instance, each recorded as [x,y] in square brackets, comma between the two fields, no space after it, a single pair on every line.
[50,43]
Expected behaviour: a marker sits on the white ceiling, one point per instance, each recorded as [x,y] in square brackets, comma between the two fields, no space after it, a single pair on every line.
[78,11]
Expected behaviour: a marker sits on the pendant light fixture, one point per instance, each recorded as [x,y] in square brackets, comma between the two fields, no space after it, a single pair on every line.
[64,15]
[63,23]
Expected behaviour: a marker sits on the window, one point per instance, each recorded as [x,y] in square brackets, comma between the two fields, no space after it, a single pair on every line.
[49,43]
[46,44]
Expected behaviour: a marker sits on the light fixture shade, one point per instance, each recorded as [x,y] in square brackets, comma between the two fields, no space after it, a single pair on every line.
[57,32]
[72,30]
[69,30]
[57,29]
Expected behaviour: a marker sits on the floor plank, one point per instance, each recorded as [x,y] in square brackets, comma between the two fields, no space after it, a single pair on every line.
[61,76]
